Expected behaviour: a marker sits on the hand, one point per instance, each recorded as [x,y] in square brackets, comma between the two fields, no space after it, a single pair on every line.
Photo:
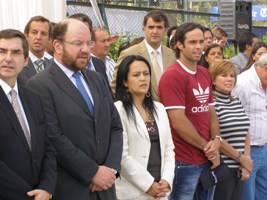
[153,190]
[164,187]
[94,188]
[104,178]
[39,194]
[212,148]
[246,162]
[245,174]
[211,151]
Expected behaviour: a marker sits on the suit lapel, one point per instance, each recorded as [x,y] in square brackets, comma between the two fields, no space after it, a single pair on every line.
[29,115]
[30,69]
[145,54]
[9,112]
[47,62]
[65,84]
[142,130]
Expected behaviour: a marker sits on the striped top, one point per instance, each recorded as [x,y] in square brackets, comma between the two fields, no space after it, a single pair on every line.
[234,124]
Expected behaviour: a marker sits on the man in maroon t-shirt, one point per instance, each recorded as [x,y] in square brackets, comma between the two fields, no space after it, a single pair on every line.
[185,89]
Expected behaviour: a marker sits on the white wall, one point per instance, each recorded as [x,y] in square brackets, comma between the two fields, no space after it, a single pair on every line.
[16,13]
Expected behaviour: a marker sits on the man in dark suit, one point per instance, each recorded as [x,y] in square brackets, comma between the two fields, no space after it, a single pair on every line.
[37,32]
[85,126]
[27,160]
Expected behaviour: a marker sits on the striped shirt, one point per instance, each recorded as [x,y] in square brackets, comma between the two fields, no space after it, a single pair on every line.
[234,124]
[253,98]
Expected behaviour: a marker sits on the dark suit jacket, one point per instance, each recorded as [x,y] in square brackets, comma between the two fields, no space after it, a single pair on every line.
[29,71]
[168,57]
[82,142]
[21,169]
[100,67]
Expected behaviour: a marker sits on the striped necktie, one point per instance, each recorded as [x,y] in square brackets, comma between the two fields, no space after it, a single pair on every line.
[40,65]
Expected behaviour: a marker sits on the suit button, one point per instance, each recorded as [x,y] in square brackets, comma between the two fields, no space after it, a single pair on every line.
[98,141]
[95,121]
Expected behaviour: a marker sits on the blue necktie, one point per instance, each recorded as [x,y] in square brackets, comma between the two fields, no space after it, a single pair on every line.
[83,92]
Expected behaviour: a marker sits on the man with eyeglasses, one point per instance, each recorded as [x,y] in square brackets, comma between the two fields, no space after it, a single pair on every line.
[37,32]
[94,63]
[155,26]
[85,127]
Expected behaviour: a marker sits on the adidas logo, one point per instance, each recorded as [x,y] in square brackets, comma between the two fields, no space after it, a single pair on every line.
[201,96]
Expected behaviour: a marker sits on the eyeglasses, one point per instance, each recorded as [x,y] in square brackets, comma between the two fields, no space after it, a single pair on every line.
[80,44]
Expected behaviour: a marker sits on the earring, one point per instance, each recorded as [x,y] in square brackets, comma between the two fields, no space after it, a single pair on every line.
[148,94]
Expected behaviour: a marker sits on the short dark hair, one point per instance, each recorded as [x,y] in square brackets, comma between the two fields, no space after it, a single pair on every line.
[245,39]
[205,29]
[37,19]
[12,33]
[121,91]
[203,61]
[174,27]
[157,16]
[83,18]
[219,33]
[181,32]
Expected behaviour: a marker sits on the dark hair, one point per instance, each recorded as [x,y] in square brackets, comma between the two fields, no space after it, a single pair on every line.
[255,48]
[157,16]
[123,46]
[205,29]
[11,33]
[169,43]
[203,61]
[37,19]
[59,30]
[181,31]
[245,39]
[219,33]
[83,18]
[125,96]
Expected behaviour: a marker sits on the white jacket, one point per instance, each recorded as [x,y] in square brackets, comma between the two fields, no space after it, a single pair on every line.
[135,179]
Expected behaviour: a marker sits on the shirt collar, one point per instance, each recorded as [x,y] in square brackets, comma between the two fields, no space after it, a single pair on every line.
[150,49]
[66,70]
[7,88]
[33,57]
[186,69]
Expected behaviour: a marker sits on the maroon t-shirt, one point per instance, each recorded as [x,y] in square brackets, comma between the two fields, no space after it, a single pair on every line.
[181,88]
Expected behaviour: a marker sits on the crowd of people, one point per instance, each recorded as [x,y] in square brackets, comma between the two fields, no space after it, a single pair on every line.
[76,125]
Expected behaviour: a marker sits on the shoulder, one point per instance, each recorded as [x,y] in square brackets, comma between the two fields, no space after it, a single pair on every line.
[135,48]
[167,50]
[159,106]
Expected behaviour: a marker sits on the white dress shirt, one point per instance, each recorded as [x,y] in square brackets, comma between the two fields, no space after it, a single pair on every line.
[253,97]
[7,89]
[159,55]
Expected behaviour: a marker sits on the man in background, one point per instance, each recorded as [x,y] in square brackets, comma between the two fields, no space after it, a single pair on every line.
[37,32]
[245,44]
[155,26]
[251,90]
[101,50]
